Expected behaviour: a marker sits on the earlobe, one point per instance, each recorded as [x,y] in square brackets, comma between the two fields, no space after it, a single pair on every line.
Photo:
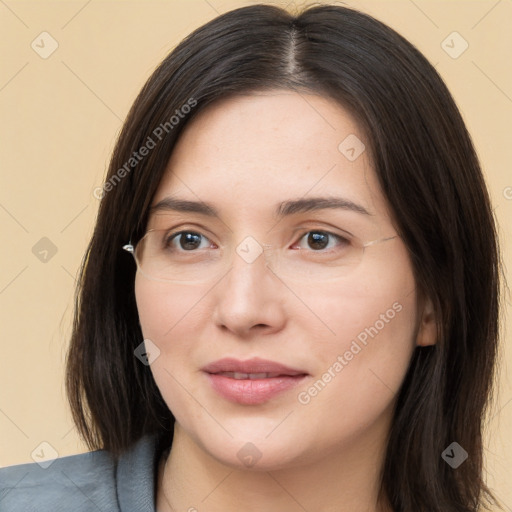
[427,329]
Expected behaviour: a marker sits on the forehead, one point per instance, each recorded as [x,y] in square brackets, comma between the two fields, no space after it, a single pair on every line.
[249,153]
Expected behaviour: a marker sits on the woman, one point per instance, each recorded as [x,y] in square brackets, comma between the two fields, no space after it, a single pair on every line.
[290,299]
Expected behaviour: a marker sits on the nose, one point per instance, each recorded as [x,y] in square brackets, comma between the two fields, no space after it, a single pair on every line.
[249,299]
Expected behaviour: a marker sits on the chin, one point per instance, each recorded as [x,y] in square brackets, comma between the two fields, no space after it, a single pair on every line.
[249,456]
[252,449]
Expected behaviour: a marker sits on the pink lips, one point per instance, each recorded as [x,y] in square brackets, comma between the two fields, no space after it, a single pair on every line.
[251,382]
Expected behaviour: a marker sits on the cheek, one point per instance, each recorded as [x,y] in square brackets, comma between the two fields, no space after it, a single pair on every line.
[366,334]
[172,318]
[374,305]
[165,308]
[358,376]
[362,362]
[169,318]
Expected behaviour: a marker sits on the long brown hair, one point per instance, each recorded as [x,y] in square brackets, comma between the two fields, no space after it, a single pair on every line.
[430,175]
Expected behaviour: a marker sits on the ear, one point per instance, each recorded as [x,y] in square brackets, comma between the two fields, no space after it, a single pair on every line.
[427,328]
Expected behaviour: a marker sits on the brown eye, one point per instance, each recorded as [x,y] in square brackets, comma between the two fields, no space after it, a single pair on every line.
[317,240]
[320,240]
[186,240]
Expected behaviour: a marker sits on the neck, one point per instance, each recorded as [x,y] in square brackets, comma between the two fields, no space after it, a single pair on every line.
[346,480]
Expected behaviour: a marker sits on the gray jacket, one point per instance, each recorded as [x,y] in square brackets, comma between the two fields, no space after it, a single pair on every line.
[89,482]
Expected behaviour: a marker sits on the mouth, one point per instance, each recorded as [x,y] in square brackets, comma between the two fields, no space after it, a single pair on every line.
[251,382]
[251,376]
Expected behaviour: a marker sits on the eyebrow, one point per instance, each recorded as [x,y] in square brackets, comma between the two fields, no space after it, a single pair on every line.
[283,209]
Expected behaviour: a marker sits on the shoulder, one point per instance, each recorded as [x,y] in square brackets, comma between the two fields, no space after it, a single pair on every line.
[71,481]
[86,482]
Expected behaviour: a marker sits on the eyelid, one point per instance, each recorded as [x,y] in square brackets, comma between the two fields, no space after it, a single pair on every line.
[331,230]
[185,228]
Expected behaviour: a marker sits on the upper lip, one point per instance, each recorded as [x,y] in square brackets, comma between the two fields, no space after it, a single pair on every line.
[254,365]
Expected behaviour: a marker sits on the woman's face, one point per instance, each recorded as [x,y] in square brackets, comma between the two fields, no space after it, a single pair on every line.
[344,320]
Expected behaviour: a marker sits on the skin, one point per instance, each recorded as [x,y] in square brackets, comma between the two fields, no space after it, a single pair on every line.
[245,155]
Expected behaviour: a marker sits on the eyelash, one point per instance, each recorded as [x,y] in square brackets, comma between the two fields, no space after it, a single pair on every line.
[175,236]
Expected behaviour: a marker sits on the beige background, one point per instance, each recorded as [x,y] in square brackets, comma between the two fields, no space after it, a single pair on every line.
[61,115]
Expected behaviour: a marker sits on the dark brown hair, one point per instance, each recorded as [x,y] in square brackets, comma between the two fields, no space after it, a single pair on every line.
[430,175]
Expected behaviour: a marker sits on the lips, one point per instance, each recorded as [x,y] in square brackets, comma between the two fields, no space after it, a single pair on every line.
[251,382]
[251,376]
[251,367]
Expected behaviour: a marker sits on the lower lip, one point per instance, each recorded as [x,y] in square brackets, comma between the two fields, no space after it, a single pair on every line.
[252,391]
